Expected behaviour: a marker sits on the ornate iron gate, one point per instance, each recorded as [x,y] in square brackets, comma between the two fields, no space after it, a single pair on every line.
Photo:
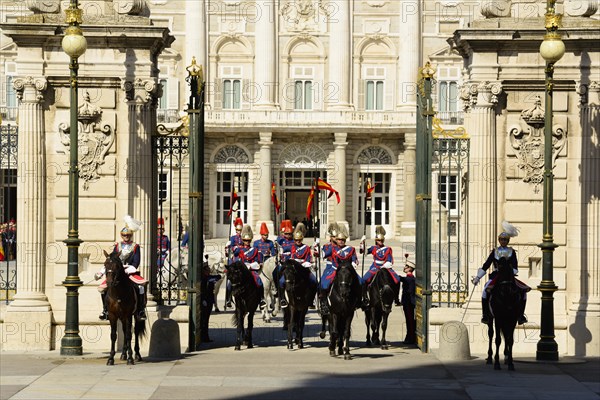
[8,209]
[169,277]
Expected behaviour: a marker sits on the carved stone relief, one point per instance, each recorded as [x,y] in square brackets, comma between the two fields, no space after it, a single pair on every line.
[495,8]
[43,6]
[94,140]
[528,143]
[580,8]
[303,15]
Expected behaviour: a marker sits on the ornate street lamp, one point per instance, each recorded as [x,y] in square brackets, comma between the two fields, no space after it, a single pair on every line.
[552,49]
[74,44]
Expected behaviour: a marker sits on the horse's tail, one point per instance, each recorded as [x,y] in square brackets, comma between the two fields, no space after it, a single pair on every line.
[140,328]
[234,319]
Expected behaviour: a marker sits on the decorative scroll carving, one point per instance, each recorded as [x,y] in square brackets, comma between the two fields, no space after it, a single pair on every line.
[130,7]
[528,143]
[495,8]
[232,155]
[480,94]
[580,8]
[374,155]
[142,90]
[376,3]
[301,15]
[302,155]
[94,141]
[30,89]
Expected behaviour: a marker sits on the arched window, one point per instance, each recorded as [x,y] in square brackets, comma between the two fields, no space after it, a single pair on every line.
[374,155]
[232,154]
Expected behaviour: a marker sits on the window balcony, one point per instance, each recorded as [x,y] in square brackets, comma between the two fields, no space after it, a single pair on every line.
[167,116]
[9,114]
[451,117]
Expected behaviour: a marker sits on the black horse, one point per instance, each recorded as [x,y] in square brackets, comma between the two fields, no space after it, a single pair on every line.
[121,295]
[300,292]
[505,304]
[246,296]
[383,291]
[343,297]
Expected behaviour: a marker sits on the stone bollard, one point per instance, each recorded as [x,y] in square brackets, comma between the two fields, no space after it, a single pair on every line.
[164,340]
[454,342]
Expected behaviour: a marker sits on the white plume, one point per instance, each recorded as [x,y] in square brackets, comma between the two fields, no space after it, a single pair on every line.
[132,223]
[510,229]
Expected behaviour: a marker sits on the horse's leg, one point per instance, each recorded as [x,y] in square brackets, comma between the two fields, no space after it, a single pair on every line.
[348,324]
[113,339]
[266,316]
[368,323]
[508,346]
[384,322]
[138,330]
[239,316]
[128,322]
[323,326]
[498,342]
[299,335]
[249,329]
[290,332]
[124,349]
[375,322]
[490,338]
[333,334]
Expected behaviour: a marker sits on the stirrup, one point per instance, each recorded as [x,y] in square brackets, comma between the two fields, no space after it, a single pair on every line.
[522,320]
[262,304]
[283,303]
[142,315]
[485,319]
[228,304]
[103,315]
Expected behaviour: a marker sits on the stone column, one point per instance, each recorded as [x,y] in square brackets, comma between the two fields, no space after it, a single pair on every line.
[483,191]
[141,97]
[340,55]
[409,184]
[264,184]
[265,77]
[28,318]
[195,42]
[339,179]
[410,55]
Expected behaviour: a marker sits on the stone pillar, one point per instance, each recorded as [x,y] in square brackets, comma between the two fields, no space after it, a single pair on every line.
[339,183]
[265,83]
[264,184]
[141,97]
[409,184]
[410,55]
[195,21]
[340,56]
[27,323]
[483,191]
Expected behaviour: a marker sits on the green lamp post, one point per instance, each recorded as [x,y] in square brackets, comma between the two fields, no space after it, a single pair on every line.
[552,49]
[74,44]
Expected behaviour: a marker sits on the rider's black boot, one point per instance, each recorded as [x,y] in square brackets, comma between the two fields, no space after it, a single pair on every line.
[228,298]
[283,301]
[141,306]
[522,318]
[104,314]
[323,303]
[485,311]
[365,296]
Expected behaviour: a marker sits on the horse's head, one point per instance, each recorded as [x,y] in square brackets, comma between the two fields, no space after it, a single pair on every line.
[289,270]
[237,273]
[114,269]
[346,279]
[505,270]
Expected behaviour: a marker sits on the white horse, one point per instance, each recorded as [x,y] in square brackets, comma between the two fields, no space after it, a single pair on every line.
[173,270]
[270,288]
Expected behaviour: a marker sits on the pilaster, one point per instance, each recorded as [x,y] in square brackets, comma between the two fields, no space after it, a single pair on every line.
[340,56]
[409,184]
[266,51]
[264,212]
[410,54]
[339,145]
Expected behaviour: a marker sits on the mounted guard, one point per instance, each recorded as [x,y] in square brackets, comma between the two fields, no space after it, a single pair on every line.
[252,258]
[382,258]
[327,252]
[301,253]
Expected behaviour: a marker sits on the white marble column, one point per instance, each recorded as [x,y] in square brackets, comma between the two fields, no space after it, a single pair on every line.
[141,96]
[483,191]
[338,181]
[340,55]
[31,198]
[264,184]
[409,183]
[264,73]
[28,319]
[409,57]
[195,40]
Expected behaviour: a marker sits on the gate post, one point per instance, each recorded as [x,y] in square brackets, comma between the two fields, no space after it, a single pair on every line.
[423,204]
[196,242]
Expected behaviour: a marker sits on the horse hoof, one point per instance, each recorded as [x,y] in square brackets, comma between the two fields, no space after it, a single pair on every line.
[130,362]
[290,346]
[237,348]
[138,358]
[488,362]
[250,346]
[368,343]
[300,345]
[347,357]
[123,357]
[384,347]
[110,362]
[322,334]
[332,353]
[340,352]
[297,341]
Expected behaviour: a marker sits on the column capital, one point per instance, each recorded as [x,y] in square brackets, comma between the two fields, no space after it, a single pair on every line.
[340,139]
[30,89]
[141,90]
[410,140]
[480,94]
[265,139]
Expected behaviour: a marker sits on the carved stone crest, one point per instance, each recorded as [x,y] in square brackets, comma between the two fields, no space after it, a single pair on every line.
[302,15]
[93,142]
[528,143]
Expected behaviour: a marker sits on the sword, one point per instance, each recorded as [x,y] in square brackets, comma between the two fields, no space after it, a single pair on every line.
[463,316]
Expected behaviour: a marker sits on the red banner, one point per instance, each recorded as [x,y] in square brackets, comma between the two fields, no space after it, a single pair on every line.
[309,204]
[234,199]
[322,185]
[274,198]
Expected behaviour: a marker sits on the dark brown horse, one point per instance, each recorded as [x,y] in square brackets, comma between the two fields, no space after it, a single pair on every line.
[246,296]
[300,292]
[505,304]
[343,297]
[121,295]
[383,291]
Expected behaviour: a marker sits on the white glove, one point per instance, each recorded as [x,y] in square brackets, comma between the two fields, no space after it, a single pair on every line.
[228,244]
[387,264]
[98,275]
[317,241]
[515,272]
[363,238]
[307,264]
[480,274]
[254,265]
[130,269]
[362,247]
[475,280]
[355,265]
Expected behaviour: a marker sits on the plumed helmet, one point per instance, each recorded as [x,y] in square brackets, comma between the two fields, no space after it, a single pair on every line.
[287,226]
[509,230]
[160,222]
[239,224]
[342,232]
[332,229]
[300,231]
[247,233]
[380,233]
[263,229]
[131,225]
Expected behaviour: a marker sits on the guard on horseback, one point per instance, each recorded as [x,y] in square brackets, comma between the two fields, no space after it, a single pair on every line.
[329,273]
[301,253]
[129,252]
[344,253]
[502,251]
[253,260]
[264,245]
[382,258]
[234,242]
[284,243]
